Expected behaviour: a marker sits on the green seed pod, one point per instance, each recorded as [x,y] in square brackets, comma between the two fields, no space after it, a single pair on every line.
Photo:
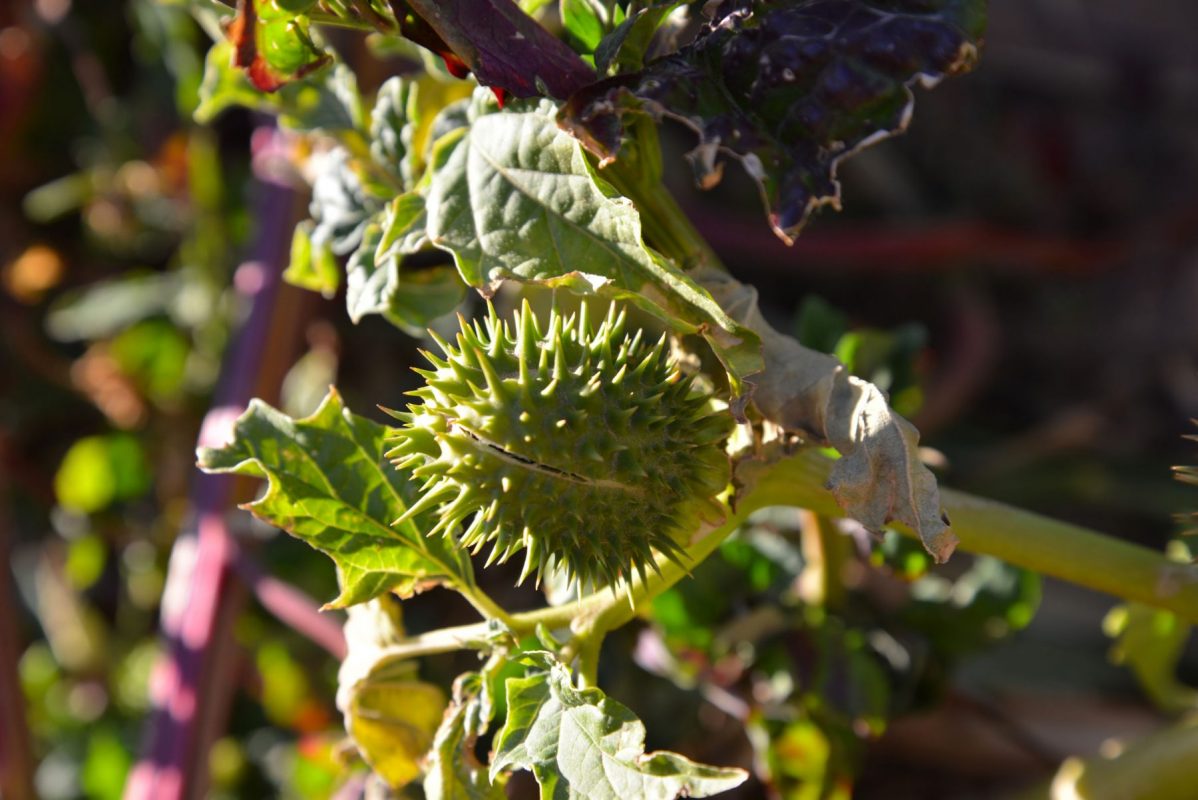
[582,447]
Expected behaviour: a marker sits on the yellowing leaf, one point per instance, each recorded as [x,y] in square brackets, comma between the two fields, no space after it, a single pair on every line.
[393,723]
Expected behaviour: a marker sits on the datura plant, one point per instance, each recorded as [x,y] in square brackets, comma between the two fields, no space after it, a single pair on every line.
[599,422]
[625,439]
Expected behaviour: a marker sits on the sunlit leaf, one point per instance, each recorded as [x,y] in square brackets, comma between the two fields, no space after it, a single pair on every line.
[578,743]
[330,485]
[513,197]
[393,723]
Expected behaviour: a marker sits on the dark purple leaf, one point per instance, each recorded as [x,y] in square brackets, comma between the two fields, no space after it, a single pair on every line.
[504,47]
[789,88]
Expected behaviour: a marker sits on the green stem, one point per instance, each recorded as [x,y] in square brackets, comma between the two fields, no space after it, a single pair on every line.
[1021,538]
[1018,537]
[1161,766]
[588,661]
[483,603]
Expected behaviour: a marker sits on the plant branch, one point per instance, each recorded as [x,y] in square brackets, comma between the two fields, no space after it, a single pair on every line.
[1022,538]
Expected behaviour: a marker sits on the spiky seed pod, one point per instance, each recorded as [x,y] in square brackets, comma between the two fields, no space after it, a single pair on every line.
[580,446]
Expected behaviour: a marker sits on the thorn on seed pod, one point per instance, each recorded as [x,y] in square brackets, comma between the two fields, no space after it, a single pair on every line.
[532,436]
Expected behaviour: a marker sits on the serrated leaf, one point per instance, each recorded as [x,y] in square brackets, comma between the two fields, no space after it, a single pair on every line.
[312,266]
[582,744]
[789,89]
[879,477]
[513,197]
[327,101]
[330,485]
[1150,642]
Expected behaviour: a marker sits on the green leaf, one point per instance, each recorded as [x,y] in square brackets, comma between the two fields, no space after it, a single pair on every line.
[312,265]
[453,771]
[581,744]
[341,206]
[390,131]
[789,88]
[513,197]
[328,101]
[626,46]
[376,282]
[330,485]
[585,21]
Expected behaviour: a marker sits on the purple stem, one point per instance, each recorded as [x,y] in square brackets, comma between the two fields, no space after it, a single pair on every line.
[294,608]
[192,684]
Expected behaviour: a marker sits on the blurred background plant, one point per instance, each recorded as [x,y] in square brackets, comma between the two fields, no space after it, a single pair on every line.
[1039,221]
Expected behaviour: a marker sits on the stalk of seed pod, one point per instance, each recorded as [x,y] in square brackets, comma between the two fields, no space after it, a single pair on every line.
[578,444]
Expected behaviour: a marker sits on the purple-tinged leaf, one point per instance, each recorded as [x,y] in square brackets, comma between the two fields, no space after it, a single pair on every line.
[789,89]
[504,47]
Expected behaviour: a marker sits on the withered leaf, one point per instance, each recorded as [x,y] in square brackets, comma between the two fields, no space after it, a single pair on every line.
[789,89]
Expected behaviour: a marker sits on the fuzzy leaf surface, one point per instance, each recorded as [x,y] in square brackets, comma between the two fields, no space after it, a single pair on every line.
[376,283]
[330,485]
[789,89]
[513,197]
[879,477]
[582,744]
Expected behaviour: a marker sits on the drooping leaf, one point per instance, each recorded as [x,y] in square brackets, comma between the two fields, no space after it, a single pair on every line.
[513,197]
[578,743]
[330,485]
[879,477]
[327,101]
[272,44]
[504,47]
[393,723]
[789,89]
[453,771]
